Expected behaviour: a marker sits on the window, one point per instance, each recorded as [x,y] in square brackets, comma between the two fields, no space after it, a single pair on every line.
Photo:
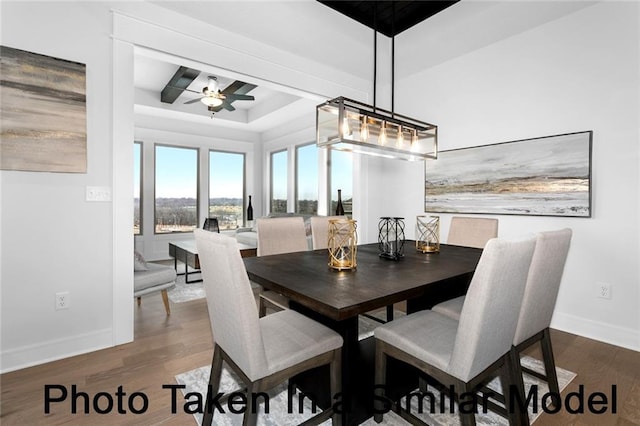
[137,188]
[278,182]
[176,189]
[307,179]
[226,188]
[341,178]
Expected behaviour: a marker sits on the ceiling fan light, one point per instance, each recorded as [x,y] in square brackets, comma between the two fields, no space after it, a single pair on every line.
[211,101]
[213,84]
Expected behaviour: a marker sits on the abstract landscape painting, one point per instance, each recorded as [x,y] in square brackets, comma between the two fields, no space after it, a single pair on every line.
[548,176]
[43,119]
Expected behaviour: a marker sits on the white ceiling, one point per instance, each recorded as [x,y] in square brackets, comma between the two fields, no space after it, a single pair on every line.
[313,31]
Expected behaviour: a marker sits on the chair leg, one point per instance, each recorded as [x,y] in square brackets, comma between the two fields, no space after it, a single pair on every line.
[466,419]
[165,300]
[139,300]
[380,382]
[512,381]
[250,417]
[335,379]
[262,307]
[549,362]
[214,385]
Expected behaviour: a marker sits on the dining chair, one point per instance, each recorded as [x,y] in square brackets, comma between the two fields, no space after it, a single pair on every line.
[276,236]
[538,303]
[320,230]
[263,352]
[463,355]
[471,231]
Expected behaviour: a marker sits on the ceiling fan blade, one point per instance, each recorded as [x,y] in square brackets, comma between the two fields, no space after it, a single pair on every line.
[186,90]
[238,87]
[192,101]
[226,105]
[239,97]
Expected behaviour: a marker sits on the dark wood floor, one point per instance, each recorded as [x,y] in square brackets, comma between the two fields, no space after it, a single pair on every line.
[166,346]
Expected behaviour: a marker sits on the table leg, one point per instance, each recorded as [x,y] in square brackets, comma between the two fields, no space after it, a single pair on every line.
[356,380]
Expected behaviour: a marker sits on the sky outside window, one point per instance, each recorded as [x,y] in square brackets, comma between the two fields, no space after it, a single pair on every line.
[176,187]
[226,188]
[279,182]
[307,179]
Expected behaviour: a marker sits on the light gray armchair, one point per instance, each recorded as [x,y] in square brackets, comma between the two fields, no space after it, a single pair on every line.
[150,278]
[469,352]
[264,352]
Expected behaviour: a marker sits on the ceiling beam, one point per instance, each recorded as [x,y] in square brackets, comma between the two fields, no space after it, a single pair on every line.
[180,81]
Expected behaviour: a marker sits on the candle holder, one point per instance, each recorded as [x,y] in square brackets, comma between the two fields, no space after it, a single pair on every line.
[342,244]
[391,238]
[428,234]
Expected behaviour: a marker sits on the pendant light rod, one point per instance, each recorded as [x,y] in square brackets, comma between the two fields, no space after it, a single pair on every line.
[393,69]
[393,55]
[375,51]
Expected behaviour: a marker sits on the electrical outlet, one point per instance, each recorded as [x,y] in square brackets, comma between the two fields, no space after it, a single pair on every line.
[63,301]
[603,290]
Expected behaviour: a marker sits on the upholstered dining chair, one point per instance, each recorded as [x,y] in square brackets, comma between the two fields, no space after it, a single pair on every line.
[471,231]
[263,352]
[320,230]
[466,353]
[538,302]
[276,236]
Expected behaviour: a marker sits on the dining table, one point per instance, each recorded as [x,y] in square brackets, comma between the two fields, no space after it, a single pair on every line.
[339,298]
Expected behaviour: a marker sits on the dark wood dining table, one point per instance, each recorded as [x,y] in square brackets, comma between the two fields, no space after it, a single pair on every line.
[337,298]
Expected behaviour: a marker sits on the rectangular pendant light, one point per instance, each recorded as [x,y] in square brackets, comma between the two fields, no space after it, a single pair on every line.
[348,125]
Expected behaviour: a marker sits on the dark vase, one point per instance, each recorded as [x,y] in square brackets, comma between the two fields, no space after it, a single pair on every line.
[249,210]
[339,207]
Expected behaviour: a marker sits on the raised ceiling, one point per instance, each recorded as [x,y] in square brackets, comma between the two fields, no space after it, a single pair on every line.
[276,27]
[389,17]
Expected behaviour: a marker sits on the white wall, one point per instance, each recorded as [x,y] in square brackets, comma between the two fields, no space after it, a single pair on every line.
[52,239]
[580,72]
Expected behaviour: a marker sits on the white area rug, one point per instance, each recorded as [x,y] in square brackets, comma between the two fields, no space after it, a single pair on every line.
[196,381]
[183,292]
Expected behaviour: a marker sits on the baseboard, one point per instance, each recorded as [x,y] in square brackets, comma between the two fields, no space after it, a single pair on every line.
[53,350]
[596,330]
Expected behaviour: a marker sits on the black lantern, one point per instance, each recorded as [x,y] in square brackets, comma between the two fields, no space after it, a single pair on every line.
[391,238]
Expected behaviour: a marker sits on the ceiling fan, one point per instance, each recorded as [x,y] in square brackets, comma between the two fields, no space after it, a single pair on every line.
[216,99]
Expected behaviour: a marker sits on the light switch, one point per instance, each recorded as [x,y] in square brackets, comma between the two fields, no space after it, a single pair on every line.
[98,193]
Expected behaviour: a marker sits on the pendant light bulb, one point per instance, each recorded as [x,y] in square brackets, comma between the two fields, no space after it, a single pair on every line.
[346,130]
[382,140]
[400,140]
[414,140]
[364,129]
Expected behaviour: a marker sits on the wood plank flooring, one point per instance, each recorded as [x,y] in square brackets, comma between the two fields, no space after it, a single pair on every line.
[166,346]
